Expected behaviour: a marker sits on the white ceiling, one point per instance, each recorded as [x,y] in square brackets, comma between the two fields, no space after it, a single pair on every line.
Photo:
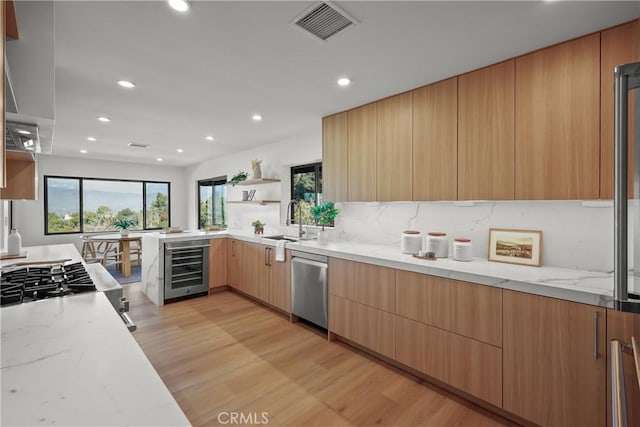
[207,71]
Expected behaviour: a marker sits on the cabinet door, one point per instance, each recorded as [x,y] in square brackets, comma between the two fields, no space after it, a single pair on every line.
[255,270]
[21,177]
[366,284]
[394,142]
[361,158]
[363,325]
[486,138]
[218,262]
[435,141]
[557,121]
[619,45]
[280,281]
[464,363]
[623,326]
[474,311]
[334,157]
[234,257]
[554,360]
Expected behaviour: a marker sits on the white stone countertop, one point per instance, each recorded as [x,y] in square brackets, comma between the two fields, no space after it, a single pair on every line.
[589,287]
[72,361]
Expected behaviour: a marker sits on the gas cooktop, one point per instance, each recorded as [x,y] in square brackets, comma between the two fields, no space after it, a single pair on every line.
[28,284]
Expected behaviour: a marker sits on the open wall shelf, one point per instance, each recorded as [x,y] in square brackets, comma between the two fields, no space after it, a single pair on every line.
[258,181]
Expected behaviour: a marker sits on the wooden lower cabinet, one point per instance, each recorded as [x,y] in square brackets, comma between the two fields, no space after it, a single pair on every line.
[367,326]
[218,262]
[279,280]
[367,284]
[255,272]
[623,326]
[474,311]
[554,355]
[464,363]
[234,256]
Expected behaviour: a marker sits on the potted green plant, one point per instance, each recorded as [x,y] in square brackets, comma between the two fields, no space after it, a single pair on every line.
[258,227]
[123,224]
[324,214]
[239,177]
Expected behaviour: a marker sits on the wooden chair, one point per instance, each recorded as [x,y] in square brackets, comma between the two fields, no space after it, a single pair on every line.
[89,251]
[109,253]
[135,247]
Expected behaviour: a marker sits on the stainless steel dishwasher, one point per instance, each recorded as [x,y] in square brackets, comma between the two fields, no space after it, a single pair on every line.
[309,287]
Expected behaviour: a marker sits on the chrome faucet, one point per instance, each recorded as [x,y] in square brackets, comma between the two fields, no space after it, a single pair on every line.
[301,232]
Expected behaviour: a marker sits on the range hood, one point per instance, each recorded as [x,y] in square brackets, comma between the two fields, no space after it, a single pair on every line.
[22,137]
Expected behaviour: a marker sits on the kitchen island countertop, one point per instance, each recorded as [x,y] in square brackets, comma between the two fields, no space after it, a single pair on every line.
[72,361]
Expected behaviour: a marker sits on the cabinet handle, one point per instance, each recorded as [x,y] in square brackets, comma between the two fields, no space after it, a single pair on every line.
[269,258]
[595,335]
[233,246]
[265,256]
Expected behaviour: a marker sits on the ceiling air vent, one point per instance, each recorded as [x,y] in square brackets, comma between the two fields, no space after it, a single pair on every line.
[323,20]
[137,145]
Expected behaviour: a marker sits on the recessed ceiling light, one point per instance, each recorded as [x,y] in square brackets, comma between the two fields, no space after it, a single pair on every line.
[256,117]
[104,119]
[180,150]
[127,84]
[179,5]
[344,81]
[209,138]
[24,132]
[91,139]
[159,159]
[84,151]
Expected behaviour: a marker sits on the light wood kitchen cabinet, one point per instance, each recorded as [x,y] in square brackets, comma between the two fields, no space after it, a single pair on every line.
[361,154]
[623,326]
[334,157]
[364,325]
[366,284]
[557,111]
[21,177]
[486,129]
[472,310]
[279,280]
[554,360]
[218,262]
[255,272]
[234,266]
[467,364]
[619,45]
[394,148]
[435,136]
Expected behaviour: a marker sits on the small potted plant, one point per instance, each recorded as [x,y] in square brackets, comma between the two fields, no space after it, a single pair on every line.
[239,177]
[324,214]
[123,224]
[258,227]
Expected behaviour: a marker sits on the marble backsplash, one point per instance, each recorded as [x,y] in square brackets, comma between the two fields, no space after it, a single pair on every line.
[575,234]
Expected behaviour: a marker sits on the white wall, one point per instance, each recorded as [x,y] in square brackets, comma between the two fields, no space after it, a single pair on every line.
[29,214]
[277,160]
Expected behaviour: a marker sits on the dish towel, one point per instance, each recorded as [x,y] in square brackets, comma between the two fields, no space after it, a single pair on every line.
[280,250]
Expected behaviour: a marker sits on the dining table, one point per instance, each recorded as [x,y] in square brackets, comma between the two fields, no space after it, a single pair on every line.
[124,247]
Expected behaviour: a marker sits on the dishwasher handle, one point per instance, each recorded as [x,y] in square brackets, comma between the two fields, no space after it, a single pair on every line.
[319,264]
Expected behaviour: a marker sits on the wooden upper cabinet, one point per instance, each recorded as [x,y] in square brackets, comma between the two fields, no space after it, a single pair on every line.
[557,121]
[435,135]
[486,133]
[619,45]
[361,156]
[22,177]
[554,356]
[394,148]
[334,157]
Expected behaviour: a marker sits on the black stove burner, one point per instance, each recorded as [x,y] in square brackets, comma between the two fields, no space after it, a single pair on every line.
[34,283]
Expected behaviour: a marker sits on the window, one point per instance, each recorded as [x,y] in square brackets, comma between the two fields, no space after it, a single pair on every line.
[85,205]
[212,202]
[306,186]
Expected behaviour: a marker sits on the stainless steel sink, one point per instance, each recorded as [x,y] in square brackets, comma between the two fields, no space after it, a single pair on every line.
[281,237]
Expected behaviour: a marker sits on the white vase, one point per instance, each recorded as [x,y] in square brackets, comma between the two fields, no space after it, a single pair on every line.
[257,173]
[14,243]
[124,232]
[323,236]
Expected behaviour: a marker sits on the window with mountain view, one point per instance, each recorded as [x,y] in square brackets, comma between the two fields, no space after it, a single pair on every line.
[306,187]
[85,205]
[212,202]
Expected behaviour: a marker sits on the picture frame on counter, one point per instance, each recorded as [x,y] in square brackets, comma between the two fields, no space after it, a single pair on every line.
[514,246]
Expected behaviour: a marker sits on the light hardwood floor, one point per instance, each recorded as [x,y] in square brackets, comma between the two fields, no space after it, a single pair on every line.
[225,353]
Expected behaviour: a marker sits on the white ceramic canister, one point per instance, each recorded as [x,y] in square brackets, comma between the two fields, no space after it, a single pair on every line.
[14,243]
[438,243]
[411,242]
[462,249]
